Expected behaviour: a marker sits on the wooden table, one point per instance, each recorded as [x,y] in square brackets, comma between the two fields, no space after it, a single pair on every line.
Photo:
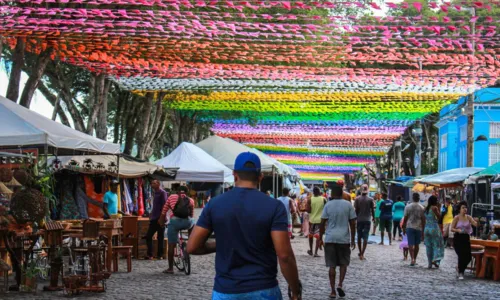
[108,232]
[492,248]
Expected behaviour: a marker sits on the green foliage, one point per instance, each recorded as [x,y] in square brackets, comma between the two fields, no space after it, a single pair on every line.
[32,269]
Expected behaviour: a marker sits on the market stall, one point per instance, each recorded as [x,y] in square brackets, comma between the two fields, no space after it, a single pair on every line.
[35,136]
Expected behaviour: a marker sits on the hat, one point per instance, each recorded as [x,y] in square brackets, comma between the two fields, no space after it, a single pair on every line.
[247,157]
[340,182]
[114,182]
[364,188]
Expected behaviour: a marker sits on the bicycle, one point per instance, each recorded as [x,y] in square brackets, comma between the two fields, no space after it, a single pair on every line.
[182,260]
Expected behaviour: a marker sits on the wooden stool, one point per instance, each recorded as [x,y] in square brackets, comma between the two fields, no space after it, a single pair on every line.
[123,250]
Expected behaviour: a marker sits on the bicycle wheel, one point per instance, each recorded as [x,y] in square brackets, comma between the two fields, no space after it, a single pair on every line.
[187,259]
[178,260]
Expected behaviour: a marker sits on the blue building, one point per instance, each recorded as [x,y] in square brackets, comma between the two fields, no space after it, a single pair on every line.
[453,131]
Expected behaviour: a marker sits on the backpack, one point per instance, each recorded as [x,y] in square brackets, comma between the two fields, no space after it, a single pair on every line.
[182,208]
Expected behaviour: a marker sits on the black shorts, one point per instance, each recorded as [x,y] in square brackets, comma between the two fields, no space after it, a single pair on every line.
[337,254]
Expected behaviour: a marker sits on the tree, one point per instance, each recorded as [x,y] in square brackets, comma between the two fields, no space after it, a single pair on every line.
[15,73]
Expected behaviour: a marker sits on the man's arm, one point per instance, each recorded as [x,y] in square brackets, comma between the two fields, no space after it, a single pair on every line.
[322,228]
[422,218]
[308,205]
[292,206]
[198,242]
[352,224]
[373,211]
[105,209]
[286,258]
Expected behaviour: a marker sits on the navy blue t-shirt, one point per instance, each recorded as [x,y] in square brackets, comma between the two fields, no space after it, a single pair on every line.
[242,220]
[386,210]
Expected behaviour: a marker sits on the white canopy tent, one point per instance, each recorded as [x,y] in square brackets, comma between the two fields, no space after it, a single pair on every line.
[128,169]
[226,150]
[195,165]
[24,127]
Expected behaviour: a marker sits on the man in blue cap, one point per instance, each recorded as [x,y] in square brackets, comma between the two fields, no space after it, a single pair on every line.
[251,230]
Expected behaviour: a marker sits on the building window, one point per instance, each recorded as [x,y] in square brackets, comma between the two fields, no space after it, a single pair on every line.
[463,133]
[495,130]
[444,141]
[494,155]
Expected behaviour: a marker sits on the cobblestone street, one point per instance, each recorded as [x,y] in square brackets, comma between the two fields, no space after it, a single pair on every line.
[384,275]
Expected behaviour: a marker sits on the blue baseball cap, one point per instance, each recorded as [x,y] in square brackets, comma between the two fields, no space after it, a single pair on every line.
[247,157]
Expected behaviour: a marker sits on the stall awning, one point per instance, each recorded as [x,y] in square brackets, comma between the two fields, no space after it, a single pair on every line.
[195,165]
[23,127]
[449,177]
[95,164]
[226,150]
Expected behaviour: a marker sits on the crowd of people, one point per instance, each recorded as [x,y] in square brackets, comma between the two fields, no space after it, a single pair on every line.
[253,229]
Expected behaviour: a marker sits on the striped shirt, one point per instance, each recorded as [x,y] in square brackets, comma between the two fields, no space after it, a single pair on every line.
[170,204]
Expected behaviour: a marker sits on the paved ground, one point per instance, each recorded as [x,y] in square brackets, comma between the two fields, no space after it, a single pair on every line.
[383,275]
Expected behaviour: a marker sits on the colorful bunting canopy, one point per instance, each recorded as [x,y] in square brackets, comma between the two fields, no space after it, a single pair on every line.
[323,92]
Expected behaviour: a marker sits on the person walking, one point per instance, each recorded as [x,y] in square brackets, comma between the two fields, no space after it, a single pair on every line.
[398,212]
[413,226]
[251,230]
[385,218]
[341,220]
[304,214]
[315,207]
[462,229]
[159,200]
[447,216]
[376,223]
[365,212]
[433,238]
[290,209]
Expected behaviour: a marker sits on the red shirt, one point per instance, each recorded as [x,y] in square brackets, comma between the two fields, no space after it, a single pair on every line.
[170,204]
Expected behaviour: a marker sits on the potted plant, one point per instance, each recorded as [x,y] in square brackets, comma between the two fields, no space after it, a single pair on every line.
[31,272]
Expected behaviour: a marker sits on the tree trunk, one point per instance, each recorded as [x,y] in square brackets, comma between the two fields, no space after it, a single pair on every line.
[56,106]
[35,77]
[120,103]
[53,99]
[15,73]
[102,120]
[144,125]
[131,126]
[99,88]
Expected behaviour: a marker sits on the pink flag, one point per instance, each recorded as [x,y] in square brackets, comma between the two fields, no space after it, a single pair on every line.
[418,6]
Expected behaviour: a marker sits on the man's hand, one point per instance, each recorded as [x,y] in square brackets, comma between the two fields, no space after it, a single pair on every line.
[353,245]
[161,220]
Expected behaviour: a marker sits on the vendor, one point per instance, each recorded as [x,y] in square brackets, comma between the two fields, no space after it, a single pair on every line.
[110,201]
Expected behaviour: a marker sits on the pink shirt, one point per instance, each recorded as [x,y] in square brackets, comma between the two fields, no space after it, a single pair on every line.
[170,204]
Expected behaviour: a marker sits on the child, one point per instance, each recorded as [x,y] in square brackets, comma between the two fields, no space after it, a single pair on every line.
[404,244]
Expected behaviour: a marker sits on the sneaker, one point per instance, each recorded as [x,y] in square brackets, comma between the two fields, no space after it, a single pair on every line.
[461,277]
[148,258]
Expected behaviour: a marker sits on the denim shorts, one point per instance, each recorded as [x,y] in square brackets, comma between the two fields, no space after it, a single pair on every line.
[174,226]
[364,229]
[267,294]
[414,236]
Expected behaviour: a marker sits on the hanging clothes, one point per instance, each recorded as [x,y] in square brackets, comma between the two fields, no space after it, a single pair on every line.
[94,211]
[140,198]
[69,207]
[128,196]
